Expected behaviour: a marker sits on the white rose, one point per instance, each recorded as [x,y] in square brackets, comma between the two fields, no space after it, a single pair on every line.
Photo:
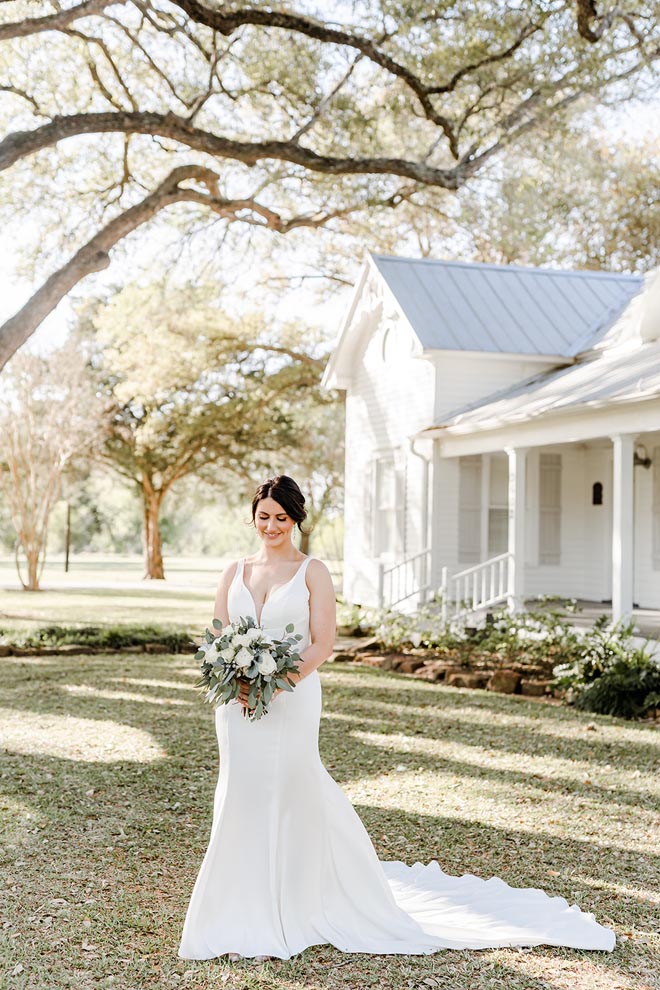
[267,664]
[241,640]
[210,650]
[243,658]
[252,635]
[227,654]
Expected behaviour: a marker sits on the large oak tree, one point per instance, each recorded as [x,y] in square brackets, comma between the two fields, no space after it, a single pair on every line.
[273,116]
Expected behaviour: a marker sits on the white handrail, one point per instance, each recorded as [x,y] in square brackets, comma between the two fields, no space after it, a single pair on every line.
[404,579]
[476,587]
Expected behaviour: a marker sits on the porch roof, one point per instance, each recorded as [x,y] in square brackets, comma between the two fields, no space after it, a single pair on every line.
[618,375]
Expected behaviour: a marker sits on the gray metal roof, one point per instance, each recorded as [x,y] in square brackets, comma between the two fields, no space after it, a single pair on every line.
[453,305]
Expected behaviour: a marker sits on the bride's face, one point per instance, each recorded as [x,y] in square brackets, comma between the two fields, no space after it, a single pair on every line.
[273,524]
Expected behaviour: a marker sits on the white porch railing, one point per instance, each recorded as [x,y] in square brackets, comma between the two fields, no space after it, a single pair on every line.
[476,587]
[403,580]
[470,590]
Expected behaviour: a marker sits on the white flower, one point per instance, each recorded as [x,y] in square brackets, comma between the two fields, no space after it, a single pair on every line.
[252,635]
[243,658]
[210,650]
[227,654]
[241,640]
[267,664]
[415,638]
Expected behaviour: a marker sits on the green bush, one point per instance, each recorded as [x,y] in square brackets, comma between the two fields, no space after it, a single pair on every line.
[104,637]
[611,675]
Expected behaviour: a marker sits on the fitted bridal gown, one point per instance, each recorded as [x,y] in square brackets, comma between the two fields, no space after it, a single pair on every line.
[289,863]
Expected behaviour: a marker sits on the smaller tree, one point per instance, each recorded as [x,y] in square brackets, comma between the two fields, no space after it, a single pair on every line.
[49,416]
[192,393]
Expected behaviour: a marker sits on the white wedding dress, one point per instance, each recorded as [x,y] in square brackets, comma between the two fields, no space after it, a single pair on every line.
[289,863]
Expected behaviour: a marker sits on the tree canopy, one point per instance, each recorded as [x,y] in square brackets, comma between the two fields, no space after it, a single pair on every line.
[274,117]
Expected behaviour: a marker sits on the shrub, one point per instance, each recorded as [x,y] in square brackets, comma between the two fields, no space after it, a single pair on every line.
[611,675]
[110,637]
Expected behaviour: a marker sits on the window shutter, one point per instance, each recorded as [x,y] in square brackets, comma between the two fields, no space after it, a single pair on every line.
[469,509]
[655,510]
[498,509]
[369,507]
[550,509]
[400,511]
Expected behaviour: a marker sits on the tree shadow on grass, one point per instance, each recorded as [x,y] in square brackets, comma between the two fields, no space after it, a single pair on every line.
[371,710]
[393,694]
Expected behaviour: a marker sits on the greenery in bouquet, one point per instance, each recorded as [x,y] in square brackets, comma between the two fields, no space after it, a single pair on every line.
[240,654]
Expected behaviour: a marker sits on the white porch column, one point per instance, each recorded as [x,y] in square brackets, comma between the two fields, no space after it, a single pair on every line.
[622,526]
[516,591]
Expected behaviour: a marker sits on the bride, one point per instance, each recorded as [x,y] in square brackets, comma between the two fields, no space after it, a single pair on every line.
[289,863]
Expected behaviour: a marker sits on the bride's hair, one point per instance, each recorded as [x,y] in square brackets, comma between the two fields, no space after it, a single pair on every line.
[286,492]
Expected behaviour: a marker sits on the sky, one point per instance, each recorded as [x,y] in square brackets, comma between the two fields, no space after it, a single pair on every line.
[633,120]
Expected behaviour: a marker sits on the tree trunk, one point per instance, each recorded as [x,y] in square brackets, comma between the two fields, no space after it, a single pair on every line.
[153,547]
[33,570]
[305,539]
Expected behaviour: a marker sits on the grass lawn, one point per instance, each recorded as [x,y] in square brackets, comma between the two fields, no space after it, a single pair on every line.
[109,590]
[108,774]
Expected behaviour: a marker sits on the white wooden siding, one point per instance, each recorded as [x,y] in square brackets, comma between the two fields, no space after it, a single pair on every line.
[390,399]
[464,378]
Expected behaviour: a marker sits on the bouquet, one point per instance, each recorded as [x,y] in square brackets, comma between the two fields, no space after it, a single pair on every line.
[242,654]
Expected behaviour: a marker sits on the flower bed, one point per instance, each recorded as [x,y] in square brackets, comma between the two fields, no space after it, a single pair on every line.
[538,652]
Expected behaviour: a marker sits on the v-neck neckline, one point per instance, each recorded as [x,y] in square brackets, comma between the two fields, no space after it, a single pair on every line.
[272,592]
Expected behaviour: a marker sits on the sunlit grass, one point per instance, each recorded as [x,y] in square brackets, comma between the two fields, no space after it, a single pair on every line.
[70,737]
[107,792]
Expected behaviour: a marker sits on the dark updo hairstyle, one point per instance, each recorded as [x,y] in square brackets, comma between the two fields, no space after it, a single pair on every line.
[286,493]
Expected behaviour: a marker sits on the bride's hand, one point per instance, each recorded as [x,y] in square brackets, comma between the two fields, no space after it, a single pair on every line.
[242,698]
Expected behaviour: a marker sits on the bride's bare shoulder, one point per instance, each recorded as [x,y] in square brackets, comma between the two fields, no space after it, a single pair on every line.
[318,575]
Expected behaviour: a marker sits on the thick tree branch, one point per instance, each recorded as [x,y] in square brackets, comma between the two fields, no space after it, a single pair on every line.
[92,257]
[22,143]
[54,22]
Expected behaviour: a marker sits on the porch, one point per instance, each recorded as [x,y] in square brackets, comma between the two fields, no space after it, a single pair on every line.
[576,519]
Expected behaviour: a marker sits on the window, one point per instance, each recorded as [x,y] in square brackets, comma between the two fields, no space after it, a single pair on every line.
[597,493]
[498,508]
[655,509]
[387,502]
[469,509]
[549,508]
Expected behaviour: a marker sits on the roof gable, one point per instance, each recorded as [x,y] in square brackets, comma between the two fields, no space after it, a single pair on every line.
[505,308]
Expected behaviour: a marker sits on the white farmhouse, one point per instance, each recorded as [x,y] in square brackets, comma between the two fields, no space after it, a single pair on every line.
[502,434]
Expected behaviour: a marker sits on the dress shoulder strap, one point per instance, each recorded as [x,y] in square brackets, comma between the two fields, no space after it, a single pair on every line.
[238,573]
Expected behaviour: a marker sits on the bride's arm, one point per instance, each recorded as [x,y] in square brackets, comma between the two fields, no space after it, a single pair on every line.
[322,619]
[221,611]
